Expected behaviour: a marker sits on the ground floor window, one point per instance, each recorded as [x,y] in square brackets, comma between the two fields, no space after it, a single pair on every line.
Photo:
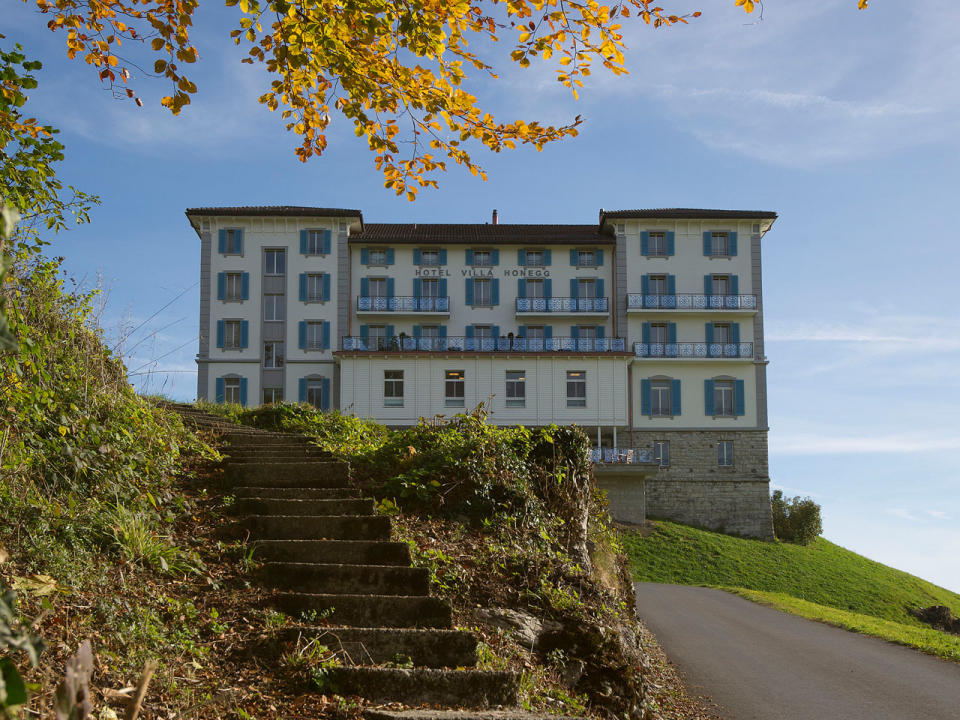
[393,388]
[231,390]
[516,388]
[315,393]
[725,453]
[272,395]
[576,388]
[661,452]
[454,386]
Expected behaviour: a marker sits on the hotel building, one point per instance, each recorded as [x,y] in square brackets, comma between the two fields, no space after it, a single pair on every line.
[645,328]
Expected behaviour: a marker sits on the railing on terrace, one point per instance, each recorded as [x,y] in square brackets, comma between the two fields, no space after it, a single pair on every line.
[688,301]
[404,343]
[403,304]
[563,304]
[622,456]
[693,350]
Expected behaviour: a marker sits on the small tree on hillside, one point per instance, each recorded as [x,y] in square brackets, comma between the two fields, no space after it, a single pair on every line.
[795,519]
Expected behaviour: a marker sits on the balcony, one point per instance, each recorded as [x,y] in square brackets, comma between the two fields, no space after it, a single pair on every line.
[559,306]
[403,305]
[404,343]
[696,350]
[692,303]
[621,456]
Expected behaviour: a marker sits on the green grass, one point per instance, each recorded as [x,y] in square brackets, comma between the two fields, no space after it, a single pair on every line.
[821,573]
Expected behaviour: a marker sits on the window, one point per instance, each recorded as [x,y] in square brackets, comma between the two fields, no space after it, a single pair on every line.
[378,287]
[430,288]
[725,453]
[585,288]
[660,398]
[721,284]
[314,392]
[483,332]
[231,390]
[378,256]
[454,387]
[314,339]
[314,242]
[233,286]
[657,246]
[378,337]
[234,242]
[723,398]
[393,388]
[658,284]
[516,388]
[658,333]
[273,355]
[587,332]
[430,257]
[721,333]
[482,258]
[233,334]
[314,287]
[534,258]
[719,244]
[586,258]
[272,395]
[273,307]
[534,288]
[576,388]
[275,262]
[535,332]
[481,292]
[661,452]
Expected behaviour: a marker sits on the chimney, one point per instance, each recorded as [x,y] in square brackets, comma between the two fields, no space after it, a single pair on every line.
[496,217]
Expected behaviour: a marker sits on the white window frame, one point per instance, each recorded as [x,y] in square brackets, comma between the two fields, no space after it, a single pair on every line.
[722,333]
[274,307]
[721,389]
[657,280]
[274,253]
[430,288]
[430,257]
[657,243]
[393,388]
[314,288]
[577,380]
[487,284]
[454,387]
[273,394]
[719,243]
[535,289]
[233,241]
[591,288]
[716,280]
[535,332]
[315,242]
[661,404]
[482,258]
[377,337]
[274,354]
[659,333]
[378,256]
[231,390]
[233,334]
[380,283]
[233,287]
[516,388]
[661,450]
[314,392]
[586,258]
[534,258]
[483,332]
[725,453]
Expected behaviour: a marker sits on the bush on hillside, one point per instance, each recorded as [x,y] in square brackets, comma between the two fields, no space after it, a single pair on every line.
[795,519]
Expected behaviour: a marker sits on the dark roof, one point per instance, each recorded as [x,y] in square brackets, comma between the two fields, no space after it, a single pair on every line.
[479,234]
[689,214]
[276,211]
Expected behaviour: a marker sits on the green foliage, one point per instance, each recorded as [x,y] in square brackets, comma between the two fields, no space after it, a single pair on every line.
[795,519]
[13,636]
[821,572]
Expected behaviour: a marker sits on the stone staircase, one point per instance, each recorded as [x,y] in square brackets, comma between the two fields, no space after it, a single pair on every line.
[329,556]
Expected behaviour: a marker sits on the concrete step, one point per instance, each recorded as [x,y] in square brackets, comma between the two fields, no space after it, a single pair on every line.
[376,646]
[356,552]
[456,688]
[300,474]
[346,579]
[297,506]
[384,714]
[295,453]
[389,611]
[317,527]
[295,493]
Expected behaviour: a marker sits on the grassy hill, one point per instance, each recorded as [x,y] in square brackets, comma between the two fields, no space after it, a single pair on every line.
[822,580]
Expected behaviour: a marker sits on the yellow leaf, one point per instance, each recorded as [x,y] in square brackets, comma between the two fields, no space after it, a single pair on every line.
[62,430]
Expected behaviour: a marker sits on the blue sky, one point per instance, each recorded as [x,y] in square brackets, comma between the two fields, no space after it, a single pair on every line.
[847,123]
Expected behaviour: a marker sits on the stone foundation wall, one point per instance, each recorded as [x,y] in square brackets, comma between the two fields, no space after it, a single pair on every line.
[625,493]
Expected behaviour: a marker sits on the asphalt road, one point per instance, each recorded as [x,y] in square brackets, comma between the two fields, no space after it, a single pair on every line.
[757,663]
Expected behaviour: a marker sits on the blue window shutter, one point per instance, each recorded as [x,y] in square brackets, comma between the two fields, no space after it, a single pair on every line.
[390,287]
[495,291]
[222,241]
[417,331]
[735,333]
[547,257]
[548,332]
[221,286]
[302,335]
[599,287]
[443,287]
[416,287]
[325,286]
[365,334]
[469,257]
[521,257]
[708,397]
[739,401]
[240,249]
[364,287]
[575,332]
[573,257]
[245,286]
[390,331]
[469,291]
[645,403]
[671,243]
[548,288]
[326,335]
[494,257]
[522,331]
[469,331]
[303,287]
[734,284]
[733,244]
[521,288]
[442,332]
[645,284]
[302,390]
[708,333]
[243,391]
[706,242]
[325,394]
[708,284]
[442,259]
[365,256]
[495,331]
[220,325]
[598,257]
[327,241]
[244,334]
[417,257]
[671,333]
[645,333]
[671,284]
[390,256]
[601,332]
[304,239]
[220,391]
[573,287]
[675,398]
[645,242]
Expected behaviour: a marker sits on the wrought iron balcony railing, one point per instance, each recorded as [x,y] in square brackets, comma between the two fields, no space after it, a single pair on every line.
[693,350]
[404,343]
[563,304]
[622,456]
[688,301]
[403,304]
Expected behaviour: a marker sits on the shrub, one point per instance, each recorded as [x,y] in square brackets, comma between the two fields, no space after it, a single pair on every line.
[795,519]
